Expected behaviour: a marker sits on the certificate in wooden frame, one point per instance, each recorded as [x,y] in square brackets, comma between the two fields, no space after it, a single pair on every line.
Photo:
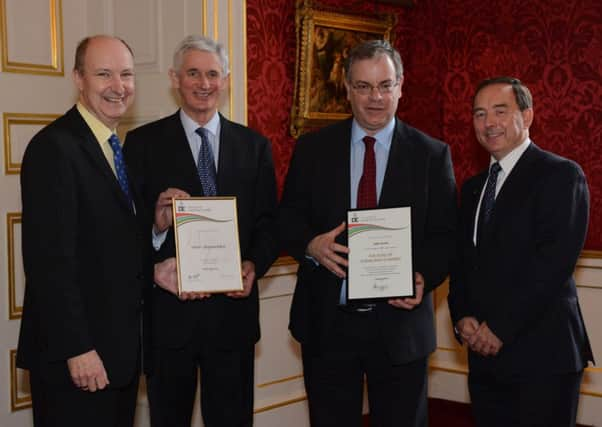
[324,39]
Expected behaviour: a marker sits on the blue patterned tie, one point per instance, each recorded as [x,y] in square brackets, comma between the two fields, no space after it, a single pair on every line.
[120,166]
[206,165]
[488,200]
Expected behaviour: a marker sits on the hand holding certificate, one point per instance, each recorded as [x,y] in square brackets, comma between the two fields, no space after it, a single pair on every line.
[380,253]
[207,248]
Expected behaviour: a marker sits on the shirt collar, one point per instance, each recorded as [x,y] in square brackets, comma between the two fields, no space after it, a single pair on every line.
[510,159]
[190,126]
[383,137]
[98,128]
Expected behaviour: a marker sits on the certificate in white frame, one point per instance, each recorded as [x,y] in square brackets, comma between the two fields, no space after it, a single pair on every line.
[380,253]
[207,246]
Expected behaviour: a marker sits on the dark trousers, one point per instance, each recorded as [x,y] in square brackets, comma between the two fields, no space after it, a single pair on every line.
[546,401]
[71,407]
[226,386]
[334,379]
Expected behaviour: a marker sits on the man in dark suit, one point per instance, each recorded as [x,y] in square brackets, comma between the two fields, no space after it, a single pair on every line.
[390,341]
[512,297]
[83,253]
[215,333]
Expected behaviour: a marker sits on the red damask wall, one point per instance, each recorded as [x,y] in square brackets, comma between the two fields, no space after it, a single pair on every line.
[448,46]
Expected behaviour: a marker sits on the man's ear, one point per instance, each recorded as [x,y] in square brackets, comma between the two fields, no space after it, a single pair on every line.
[527,117]
[173,77]
[78,80]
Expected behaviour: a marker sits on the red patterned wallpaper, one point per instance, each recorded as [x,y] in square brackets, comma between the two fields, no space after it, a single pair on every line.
[448,46]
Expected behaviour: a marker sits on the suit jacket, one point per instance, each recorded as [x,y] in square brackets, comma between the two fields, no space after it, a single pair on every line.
[159,156]
[519,280]
[84,257]
[316,199]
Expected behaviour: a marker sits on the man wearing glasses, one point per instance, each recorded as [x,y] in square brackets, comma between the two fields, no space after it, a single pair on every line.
[372,160]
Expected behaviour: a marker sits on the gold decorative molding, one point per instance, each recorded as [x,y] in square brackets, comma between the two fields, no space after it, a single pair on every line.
[244,58]
[591,254]
[204,9]
[14,309]
[464,371]
[17,402]
[56,66]
[215,19]
[284,260]
[230,52]
[280,381]
[280,404]
[13,119]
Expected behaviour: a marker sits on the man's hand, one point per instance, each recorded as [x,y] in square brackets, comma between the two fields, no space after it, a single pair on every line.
[88,372]
[466,327]
[410,303]
[484,341]
[163,209]
[326,251]
[248,278]
[166,276]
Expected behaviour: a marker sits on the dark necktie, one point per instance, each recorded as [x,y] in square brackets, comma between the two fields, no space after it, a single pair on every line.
[206,165]
[366,192]
[488,200]
[120,166]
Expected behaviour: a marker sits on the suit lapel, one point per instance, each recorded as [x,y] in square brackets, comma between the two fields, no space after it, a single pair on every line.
[397,184]
[178,147]
[471,195]
[91,147]
[514,185]
[227,153]
[340,159]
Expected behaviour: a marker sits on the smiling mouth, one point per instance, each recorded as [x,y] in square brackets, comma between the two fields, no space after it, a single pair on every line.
[114,99]
[202,94]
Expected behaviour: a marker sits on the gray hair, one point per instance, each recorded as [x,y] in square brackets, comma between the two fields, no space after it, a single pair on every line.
[372,49]
[203,44]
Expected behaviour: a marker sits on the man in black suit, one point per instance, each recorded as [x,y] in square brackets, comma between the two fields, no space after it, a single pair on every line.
[215,333]
[512,297]
[83,253]
[390,341]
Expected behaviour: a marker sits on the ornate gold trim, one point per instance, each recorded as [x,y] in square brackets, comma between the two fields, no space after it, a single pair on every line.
[244,57]
[284,260]
[280,404]
[215,19]
[204,9]
[56,67]
[16,403]
[280,381]
[14,309]
[464,371]
[591,254]
[307,18]
[10,119]
[230,52]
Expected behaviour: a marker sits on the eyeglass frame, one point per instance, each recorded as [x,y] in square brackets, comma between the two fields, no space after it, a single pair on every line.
[381,87]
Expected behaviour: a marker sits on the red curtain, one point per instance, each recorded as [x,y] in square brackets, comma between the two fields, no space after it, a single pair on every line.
[448,46]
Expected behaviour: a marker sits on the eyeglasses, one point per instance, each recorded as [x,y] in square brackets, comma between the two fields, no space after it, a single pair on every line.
[383,88]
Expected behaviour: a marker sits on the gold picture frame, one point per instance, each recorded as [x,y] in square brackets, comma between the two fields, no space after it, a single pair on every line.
[19,380]
[324,38]
[13,220]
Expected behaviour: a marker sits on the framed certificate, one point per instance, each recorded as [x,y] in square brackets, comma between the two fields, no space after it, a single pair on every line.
[207,247]
[380,253]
